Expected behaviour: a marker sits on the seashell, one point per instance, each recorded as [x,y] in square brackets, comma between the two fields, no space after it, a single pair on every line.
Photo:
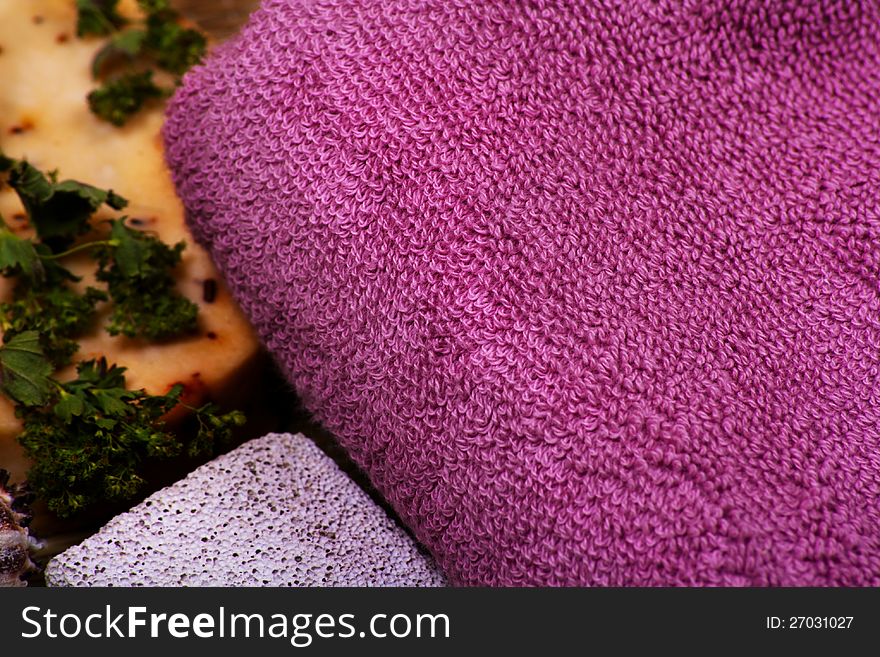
[15,542]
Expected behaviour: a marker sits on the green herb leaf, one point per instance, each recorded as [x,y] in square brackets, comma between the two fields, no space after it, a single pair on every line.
[100,388]
[69,406]
[132,254]
[53,310]
[33,188]
[214,428]
[58,210]
[97,17]
[17,255]
[90,445]
[138,273]
[25,370]
[117,100]
[175,47]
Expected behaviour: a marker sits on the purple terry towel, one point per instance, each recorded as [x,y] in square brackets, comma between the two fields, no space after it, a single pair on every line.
[591,289]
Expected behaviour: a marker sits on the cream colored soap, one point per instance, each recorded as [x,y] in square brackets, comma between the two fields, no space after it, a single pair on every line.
[45,74]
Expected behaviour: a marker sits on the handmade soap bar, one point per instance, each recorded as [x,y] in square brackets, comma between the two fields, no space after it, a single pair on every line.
[46,74]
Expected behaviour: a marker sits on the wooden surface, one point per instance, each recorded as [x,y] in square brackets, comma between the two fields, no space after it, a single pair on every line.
[220,18]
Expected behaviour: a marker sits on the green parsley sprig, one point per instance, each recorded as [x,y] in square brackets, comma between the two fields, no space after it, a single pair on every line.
[159,41]
[97,17]
[89,438]
[137,269]
[57,210]
[119,99]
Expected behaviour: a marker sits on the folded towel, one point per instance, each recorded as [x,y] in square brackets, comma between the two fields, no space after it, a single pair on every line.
[589,289]
[276,511]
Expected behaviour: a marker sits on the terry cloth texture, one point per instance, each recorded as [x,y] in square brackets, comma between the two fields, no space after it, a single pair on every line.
[590,289]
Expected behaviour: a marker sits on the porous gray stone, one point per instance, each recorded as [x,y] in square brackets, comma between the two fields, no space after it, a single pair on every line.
[274,512]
